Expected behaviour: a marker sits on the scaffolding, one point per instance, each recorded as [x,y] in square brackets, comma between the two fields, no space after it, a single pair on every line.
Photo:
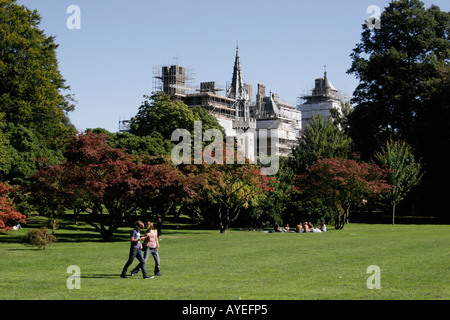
[173,80]
[124,125]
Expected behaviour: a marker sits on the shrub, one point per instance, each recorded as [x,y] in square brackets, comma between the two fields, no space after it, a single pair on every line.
[39,238]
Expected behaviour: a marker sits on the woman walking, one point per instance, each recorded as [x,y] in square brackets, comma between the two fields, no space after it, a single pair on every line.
[135,250]
[151,246]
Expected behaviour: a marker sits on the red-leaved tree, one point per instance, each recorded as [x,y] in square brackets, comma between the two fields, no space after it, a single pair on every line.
[110,185]
[340,183]
[95,178]
[161,187]
[229,187]
[8,214]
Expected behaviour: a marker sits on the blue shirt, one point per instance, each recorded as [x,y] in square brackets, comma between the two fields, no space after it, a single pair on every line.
[136,234]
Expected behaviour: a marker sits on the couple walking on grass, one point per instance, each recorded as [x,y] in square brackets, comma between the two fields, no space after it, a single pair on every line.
[151,246]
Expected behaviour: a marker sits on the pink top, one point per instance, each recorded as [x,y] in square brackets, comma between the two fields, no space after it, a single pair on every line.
[152,239]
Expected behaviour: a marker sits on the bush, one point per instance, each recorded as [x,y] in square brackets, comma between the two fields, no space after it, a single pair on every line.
[39,238]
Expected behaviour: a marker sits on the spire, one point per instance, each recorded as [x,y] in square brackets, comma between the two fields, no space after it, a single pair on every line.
[237,90]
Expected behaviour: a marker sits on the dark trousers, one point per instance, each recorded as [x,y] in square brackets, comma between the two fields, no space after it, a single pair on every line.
[135,253]
[147,253]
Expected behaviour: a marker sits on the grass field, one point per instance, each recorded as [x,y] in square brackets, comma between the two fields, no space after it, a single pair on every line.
[205,265]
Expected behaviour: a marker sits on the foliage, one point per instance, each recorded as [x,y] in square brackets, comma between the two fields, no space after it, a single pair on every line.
[324,137]
[321,138]
[341,183]
[109,184]
[340,118]
[394,65]
[31,82]
[33,107]
[161,188]
[8,214]
[152,145]
[94,177]
[228,188]
[159,113]
[5,148]
[403,71]
[433,130]
[404,173]
[277,206]
[38,238]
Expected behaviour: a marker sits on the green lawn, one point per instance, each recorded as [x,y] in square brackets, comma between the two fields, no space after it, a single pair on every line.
[202,264]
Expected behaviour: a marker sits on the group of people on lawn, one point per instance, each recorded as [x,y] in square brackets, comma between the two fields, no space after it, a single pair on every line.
[301,228]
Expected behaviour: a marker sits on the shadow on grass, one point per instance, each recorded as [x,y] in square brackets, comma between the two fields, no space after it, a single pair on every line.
[25,249]
[100,276]
[69,231]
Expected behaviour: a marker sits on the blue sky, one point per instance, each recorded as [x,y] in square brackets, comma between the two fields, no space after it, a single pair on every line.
[284,44]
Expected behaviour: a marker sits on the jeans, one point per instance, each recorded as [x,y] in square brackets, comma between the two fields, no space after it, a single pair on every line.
[147,253]
[135,253]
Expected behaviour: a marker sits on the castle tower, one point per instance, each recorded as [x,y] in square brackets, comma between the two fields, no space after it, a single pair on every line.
[239,90]
[322,99]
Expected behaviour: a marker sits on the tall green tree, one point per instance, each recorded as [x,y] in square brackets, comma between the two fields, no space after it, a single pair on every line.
[403,70]
[433,140]
[321,138]
[340,118]
[5,149]
[405,171]
[394,65]
[31,86]
[159,113]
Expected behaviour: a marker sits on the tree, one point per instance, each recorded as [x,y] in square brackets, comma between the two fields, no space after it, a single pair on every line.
[404,173]
[6,156]
[32,100]
[340,183]
[433,137]
[159,113]
[278,205]
[394,65]
[95,178]
[161,187]
[321,138]
[9,217]
[403,92]
[340,117]
[109,184]
[230,187]
[152,145]
[31,85]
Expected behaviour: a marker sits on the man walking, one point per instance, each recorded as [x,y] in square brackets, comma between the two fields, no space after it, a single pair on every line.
[135,251]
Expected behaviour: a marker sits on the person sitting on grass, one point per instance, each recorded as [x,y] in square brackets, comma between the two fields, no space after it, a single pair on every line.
[311,226]
[278,228]
[288,229]
[306,227]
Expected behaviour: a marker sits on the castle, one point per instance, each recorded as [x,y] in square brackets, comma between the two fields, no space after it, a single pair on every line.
[266,125]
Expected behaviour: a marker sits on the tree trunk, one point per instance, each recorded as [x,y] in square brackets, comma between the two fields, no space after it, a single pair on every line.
[347,216]
[393,214]
[54,225]
[159,225]
[107,235]
[223,225]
